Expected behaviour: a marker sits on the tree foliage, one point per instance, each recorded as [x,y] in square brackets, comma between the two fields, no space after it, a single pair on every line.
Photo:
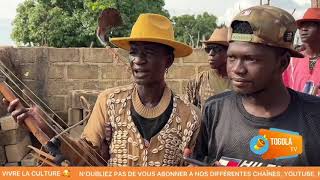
[73,23]
[191,29]
[130,10]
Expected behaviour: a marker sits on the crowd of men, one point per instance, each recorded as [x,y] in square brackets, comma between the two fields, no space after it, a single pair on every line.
[253,84]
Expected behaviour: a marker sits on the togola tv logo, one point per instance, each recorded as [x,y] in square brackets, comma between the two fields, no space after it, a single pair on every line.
[276,144]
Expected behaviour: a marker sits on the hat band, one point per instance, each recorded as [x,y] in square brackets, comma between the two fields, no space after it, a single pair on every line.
[241,37]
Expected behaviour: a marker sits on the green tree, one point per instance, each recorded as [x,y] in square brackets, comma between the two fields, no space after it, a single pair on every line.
[73,23]
[191,29]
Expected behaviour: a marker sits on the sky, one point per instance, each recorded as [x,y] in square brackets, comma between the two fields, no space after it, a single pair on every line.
[223,9]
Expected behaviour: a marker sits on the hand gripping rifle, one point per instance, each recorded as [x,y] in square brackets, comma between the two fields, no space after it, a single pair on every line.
[59,150]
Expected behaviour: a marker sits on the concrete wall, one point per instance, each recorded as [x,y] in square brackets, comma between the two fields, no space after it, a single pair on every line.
[51,72]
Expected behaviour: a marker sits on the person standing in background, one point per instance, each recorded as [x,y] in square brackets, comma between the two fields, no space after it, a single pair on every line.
[215,80]
[303,74]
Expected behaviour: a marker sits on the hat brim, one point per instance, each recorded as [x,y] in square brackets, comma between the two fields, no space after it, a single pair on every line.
[224,43]
[180,49]
[298,22]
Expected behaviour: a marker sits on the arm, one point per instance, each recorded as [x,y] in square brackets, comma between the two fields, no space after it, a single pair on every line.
[98,131]
[94,131]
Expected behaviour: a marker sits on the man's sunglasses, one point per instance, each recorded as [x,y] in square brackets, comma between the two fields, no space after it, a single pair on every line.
[215,49]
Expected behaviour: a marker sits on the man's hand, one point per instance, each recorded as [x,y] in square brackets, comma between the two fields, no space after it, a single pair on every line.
[187,153]
[20,113]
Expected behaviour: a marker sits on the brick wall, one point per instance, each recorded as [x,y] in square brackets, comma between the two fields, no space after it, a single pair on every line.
[51,72]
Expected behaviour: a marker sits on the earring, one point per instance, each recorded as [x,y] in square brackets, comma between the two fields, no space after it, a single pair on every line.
[166,70]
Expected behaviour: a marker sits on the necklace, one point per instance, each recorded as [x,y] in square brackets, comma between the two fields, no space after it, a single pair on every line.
[313,61]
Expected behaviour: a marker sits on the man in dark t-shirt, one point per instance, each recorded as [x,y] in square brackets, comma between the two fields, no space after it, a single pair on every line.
[261,41]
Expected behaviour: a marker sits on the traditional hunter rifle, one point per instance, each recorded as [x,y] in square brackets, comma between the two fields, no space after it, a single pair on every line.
[59,150]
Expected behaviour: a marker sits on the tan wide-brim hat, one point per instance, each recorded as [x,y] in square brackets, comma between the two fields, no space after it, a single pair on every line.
[153,28]
[219,36]
[312,14]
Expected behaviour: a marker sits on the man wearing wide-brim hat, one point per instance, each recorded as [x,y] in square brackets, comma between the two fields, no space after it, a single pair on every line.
[151,125]
[213,81]
[304,74]
[144,123]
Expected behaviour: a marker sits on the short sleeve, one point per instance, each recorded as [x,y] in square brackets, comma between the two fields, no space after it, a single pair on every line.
[94,131]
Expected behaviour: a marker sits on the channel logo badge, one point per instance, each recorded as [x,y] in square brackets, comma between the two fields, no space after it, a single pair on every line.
[276,143]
